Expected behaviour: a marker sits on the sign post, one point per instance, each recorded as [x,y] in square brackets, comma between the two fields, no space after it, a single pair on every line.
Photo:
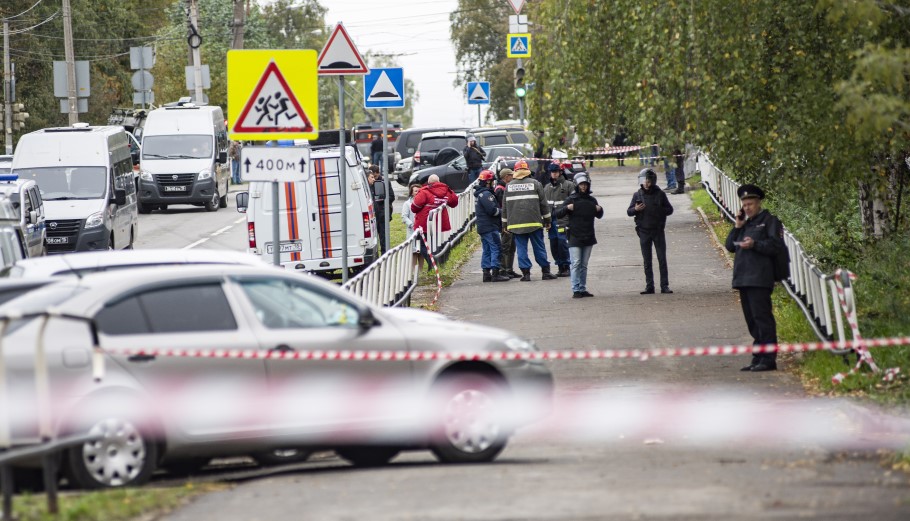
[384,88]
[273,94]
[337,58]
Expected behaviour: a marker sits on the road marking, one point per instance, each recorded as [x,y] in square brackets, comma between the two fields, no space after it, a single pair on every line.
[219,232]
[238,221]
[197,243]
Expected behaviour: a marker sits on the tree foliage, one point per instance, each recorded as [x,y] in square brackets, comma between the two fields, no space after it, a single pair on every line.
[807,97]
[478,29]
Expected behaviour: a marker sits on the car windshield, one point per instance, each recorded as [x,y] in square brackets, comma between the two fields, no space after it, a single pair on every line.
[177,147]
[74,182]
[435,144]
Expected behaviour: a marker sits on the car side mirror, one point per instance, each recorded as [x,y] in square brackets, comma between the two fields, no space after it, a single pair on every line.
[366,320]
[119,197]
[135,156]
[222,157]
[243,201]
[32,217]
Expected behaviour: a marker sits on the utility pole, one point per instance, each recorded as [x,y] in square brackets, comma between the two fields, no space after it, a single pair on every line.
[237,24]
[70,62]
[7,92]
[195,41]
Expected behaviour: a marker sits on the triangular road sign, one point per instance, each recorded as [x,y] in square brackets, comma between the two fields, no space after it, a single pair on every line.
[384,90]
[479,93]
[517,5]
[340,56]
[272,107]
[519,46]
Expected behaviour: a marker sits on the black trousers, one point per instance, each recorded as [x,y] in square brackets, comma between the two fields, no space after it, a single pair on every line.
[658,240]
[506,252]
[380,229]
[759,317]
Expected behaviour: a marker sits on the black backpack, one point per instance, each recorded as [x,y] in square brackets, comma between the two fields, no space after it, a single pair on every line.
[782,263]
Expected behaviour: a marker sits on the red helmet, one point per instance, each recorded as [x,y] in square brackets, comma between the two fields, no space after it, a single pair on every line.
[521,164]
[566,166]
[485,175]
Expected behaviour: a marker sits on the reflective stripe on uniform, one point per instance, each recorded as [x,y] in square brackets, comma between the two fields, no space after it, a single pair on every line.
[517,197]
[528,225]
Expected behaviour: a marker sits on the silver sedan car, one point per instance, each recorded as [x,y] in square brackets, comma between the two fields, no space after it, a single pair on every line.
[299,363]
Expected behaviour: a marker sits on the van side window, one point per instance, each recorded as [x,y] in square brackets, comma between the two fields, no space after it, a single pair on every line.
[35,198]
[27,204]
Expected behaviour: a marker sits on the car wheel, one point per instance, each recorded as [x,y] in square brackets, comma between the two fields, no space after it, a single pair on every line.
[469,426]
[368,456]
[271,458]
[222,201]
[212,205]
[145,208]
[123,455]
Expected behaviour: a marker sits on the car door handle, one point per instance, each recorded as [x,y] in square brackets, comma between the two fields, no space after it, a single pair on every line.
[284,348]
[141,358]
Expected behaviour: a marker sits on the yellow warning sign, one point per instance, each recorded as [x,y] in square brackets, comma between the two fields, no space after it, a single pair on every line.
[272,94]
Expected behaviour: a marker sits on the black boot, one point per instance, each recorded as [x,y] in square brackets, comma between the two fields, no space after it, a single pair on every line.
[525,274]
[511,273]
[563,271]
[487,277]
[546,274]
[499,276]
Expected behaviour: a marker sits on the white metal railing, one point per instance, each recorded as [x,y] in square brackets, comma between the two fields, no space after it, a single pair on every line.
[460,220]
[391,279]
[810,287]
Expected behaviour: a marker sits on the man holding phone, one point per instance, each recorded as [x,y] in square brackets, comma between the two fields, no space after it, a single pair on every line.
[756,239]
[650,208]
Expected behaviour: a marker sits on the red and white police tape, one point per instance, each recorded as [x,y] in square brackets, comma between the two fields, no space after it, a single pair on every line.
[860,345]
[550,355]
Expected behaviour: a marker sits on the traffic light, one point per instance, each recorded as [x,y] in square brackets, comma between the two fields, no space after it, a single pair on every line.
[520,82]
[19,116]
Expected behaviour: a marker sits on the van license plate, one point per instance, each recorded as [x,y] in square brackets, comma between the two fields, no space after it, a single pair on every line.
[56,240]
[175,189]
[286,247]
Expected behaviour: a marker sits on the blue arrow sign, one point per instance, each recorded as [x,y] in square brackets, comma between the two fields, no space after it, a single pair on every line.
[384,89]
[478,93]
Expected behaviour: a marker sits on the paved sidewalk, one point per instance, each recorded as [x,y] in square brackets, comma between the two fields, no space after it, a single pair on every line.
[703,310]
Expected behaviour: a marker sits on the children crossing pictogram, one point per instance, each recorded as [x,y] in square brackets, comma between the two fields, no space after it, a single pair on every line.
[272,107]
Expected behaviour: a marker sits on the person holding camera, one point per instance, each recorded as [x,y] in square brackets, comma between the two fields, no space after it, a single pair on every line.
[650,208]
[756,238]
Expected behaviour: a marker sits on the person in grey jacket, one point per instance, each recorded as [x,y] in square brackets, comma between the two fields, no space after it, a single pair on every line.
[407,217]
[650,207]
[757,237]
[525,214]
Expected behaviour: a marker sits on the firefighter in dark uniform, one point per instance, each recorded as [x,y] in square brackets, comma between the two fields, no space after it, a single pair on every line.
[756,239]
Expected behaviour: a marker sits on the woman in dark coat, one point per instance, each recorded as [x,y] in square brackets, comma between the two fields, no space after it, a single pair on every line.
[582,209]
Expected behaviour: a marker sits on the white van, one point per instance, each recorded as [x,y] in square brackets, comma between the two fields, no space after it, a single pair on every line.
[85,178]
[25,198]
[184,158]
[310,216]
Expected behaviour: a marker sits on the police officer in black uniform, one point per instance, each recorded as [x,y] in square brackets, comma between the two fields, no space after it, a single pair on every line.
[756,239]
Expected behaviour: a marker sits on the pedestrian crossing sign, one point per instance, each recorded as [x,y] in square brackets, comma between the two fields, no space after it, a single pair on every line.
[518,45]
[272,94]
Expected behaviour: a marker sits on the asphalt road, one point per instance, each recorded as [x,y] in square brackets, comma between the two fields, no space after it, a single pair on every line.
[561,471]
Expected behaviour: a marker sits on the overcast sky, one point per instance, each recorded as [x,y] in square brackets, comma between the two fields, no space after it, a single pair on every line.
[418,30]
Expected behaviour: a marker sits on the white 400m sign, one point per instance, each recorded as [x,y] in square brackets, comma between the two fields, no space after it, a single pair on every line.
[275,164]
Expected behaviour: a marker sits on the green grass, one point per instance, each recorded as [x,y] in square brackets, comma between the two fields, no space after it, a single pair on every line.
[110,505]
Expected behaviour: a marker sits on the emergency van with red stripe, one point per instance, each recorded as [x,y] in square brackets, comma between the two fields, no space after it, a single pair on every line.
[310,216]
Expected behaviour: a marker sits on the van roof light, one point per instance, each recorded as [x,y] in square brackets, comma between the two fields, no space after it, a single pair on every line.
[9,177]
[81,124]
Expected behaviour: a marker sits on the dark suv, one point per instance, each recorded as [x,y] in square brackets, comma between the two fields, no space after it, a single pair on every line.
[438,148]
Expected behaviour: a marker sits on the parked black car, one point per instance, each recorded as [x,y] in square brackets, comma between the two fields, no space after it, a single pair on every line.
[454,173]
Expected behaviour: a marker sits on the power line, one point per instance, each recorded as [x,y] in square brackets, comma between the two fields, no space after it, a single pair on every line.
[27,29]
[23,12]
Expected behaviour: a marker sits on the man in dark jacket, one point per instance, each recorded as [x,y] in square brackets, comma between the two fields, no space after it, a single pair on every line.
[525,214]
[580,209]
[507,245]
[556,191]
[474,155]
[650,207]
[376,149]
[487,210]
[378,191]
[756,238]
